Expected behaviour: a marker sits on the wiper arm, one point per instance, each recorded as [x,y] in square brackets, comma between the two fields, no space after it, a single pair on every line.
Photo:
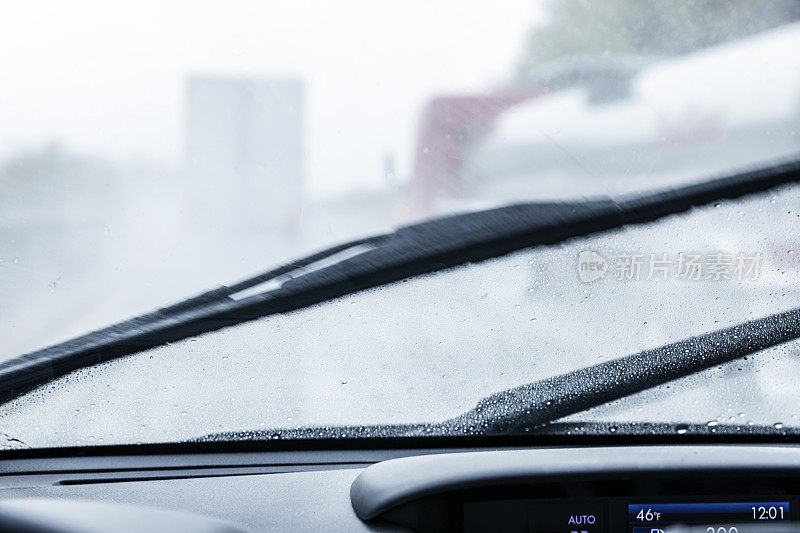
[410,251]
[534,406]
[553,398]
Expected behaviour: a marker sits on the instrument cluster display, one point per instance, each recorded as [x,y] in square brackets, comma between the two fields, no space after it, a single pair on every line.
[707,517]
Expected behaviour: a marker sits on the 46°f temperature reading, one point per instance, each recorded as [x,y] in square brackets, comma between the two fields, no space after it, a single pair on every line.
[648,515]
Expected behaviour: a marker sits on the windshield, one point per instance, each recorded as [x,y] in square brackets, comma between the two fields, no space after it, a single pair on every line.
[149,152]
[430,348]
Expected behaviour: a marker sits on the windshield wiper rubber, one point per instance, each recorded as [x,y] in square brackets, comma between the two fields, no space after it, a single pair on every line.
[409,251]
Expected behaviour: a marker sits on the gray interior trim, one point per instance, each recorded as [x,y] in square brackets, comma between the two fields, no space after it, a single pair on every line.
[389,484]
[46,515]
[313,460]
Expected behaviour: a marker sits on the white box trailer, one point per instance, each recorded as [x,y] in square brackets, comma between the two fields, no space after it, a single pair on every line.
[245,148]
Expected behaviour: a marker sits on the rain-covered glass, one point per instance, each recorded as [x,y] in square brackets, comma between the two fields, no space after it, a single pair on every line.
[153,150]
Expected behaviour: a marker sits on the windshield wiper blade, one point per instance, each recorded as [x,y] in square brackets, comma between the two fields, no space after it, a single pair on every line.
[553,398]
[410,251]
[534,407]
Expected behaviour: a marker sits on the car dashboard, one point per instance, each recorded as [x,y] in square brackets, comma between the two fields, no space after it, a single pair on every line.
[736,488]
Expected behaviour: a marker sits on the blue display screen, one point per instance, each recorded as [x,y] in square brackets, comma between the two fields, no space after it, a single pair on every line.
[663,517]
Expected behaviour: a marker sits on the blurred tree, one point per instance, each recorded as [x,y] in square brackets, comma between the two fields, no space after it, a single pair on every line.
[646,27]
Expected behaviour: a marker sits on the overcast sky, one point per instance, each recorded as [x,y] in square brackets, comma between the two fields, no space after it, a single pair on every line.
[107,77]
